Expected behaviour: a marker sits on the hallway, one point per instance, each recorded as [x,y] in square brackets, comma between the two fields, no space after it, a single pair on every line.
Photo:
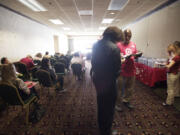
[74,113]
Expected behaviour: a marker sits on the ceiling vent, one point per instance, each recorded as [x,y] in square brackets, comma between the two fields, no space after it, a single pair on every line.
[117,4]
[85,12]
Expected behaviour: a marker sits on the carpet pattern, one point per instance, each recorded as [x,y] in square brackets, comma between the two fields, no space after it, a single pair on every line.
[74,113]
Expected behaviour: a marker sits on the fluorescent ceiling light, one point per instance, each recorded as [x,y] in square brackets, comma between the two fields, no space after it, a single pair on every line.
[107,20]
[56,21]
[85,12]
[117,4]
[66,28]
[102,28]
[33,5]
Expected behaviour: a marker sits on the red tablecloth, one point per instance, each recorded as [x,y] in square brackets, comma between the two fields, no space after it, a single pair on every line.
[149,75]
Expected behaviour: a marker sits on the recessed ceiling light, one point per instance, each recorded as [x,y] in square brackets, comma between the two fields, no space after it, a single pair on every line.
[102,28]
[85,12]
[66,28]
[56,21]
[33,5]
[112,13]
[117,4]
[108,20]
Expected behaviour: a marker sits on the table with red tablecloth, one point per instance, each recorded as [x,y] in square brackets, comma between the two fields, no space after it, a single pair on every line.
[149,75]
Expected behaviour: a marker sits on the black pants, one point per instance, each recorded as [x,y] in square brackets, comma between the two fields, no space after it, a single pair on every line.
[60,80]
[106,99]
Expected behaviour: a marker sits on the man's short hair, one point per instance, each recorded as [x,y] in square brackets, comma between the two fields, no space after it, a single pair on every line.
[47,53]
[3,60]
[114,34]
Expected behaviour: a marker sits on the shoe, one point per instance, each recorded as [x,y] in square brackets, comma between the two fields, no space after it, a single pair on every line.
[164,104]
[114,132]
[128,105]
[119,109]
[62,90]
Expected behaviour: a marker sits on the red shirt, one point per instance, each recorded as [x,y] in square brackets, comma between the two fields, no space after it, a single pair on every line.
[128,67]
[176,67]
[28,62]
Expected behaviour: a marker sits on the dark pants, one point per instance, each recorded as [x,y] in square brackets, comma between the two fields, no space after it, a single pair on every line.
[60,80]
[106,99]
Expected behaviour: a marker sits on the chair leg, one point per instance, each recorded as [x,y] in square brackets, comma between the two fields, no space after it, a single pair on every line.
[27,114]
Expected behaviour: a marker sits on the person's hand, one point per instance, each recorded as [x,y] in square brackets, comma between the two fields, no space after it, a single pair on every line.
[129,56]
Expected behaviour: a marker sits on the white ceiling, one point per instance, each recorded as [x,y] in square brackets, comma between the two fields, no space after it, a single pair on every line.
[67,12]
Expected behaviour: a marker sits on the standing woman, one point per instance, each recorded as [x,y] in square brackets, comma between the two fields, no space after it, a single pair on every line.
[173,73]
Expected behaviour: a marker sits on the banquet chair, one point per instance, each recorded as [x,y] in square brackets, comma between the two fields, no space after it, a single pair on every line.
[44,80]
[60,72]
[21,68]
[11,96]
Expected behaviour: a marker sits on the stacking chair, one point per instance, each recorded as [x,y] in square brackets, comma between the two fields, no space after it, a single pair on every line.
[59,68]
[33,73]
[11,96]
[44,80]
[60,72]
[21,68]
[37,62]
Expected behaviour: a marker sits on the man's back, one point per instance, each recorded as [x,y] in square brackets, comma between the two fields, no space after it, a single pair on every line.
[105,59]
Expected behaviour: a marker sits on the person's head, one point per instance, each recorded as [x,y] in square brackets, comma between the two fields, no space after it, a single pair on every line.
[8,72]
[47,53]
[45,63]
[113,34]
[172,50]
[39,55]
[29,56]
[127,36]
[4,60]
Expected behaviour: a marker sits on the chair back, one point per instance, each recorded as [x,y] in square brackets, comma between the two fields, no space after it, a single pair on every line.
[64,61]
[59,67]
[10,94]
[76,68]
[21,68]
[52,61]
[33,72]
[37,62]
[44,78]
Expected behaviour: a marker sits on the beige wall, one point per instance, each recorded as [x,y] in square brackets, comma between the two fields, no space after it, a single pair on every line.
[20,36]
[153,34]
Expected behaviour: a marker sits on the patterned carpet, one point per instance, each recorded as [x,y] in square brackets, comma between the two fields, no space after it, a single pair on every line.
[74,113]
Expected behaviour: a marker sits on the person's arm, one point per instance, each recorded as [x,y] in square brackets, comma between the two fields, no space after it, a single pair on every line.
[23,86]
[117,61]
[170,64]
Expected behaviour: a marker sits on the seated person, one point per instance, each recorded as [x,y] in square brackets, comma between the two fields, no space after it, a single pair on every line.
[9,77]
[5,60]
[45,65]
[28,61]
[37,59]
[47,55]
